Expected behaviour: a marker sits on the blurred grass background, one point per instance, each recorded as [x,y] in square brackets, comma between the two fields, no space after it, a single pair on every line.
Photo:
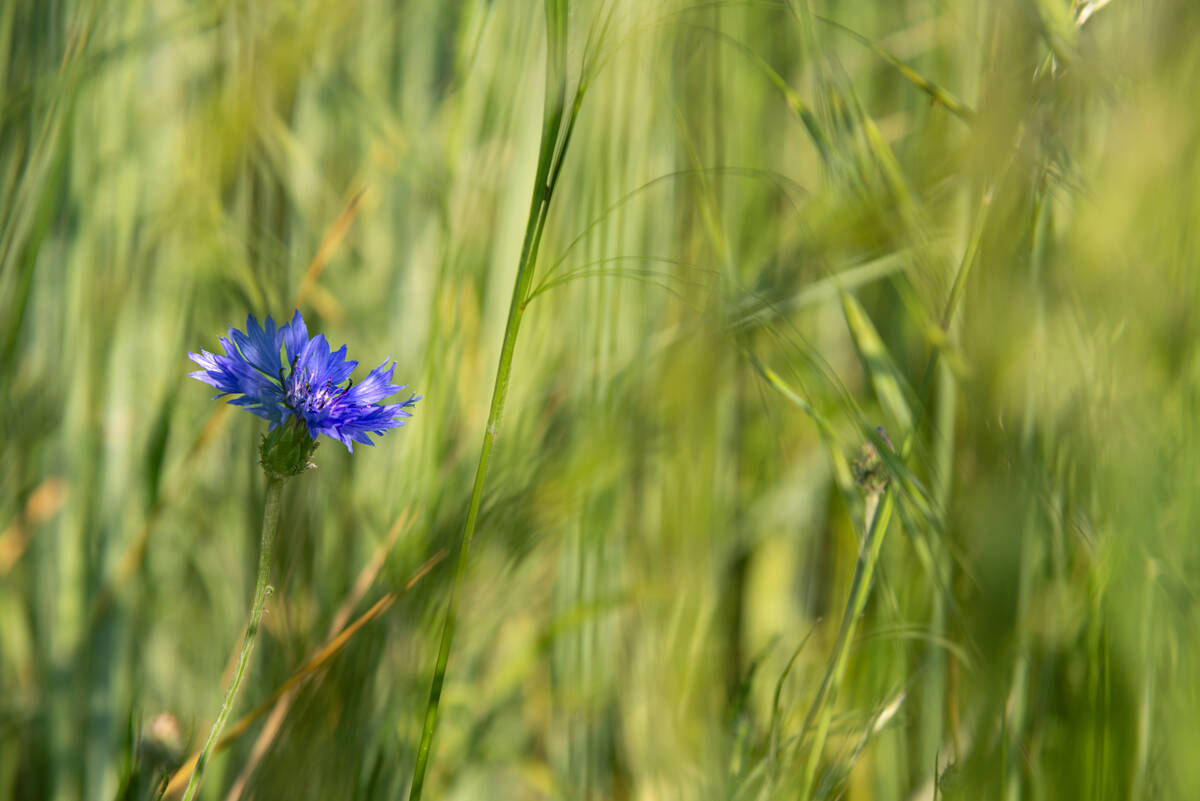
[747,265]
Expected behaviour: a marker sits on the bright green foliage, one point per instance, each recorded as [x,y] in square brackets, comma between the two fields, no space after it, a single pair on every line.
[774,228]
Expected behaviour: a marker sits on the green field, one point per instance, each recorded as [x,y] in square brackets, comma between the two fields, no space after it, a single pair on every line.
[849,361]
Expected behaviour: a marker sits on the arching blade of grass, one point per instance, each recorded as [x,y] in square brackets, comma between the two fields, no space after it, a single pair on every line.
[885,376]
[937,93]
[842,472]
[823,290]
[793,100]
[699,172]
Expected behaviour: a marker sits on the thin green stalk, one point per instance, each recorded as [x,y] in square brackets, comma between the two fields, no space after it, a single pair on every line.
[550,157]
[1145,701]
[879,511]
[261,591]
[935,92]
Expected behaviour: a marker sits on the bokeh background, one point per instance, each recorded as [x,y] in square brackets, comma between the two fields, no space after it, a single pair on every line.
[749,261]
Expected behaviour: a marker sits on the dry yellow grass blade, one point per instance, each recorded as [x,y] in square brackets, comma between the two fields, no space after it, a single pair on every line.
[43,504]
[333,238]
[366,578]
[316,662]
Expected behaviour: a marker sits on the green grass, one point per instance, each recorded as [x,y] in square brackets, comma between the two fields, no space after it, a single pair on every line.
[763,230]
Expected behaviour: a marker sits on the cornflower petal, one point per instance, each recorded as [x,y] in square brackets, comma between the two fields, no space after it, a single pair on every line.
[295,337]
[376,386]
[259,346]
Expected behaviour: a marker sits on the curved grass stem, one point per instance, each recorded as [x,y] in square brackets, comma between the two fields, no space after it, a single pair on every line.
[556,136]
[878,512]
[261,591]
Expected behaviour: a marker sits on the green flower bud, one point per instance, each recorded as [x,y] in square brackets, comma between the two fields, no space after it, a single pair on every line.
[287,449]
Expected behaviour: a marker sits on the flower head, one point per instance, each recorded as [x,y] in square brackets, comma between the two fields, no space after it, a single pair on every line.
[311,386]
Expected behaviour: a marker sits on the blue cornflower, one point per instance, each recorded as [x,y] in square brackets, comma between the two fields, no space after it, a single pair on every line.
[306,388]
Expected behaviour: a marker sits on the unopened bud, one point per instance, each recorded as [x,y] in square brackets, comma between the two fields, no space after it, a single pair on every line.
[287,449]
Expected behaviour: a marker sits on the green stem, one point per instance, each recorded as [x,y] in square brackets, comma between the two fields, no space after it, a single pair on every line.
[1145,702]
[878,512]
[261,591]
[549,163]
